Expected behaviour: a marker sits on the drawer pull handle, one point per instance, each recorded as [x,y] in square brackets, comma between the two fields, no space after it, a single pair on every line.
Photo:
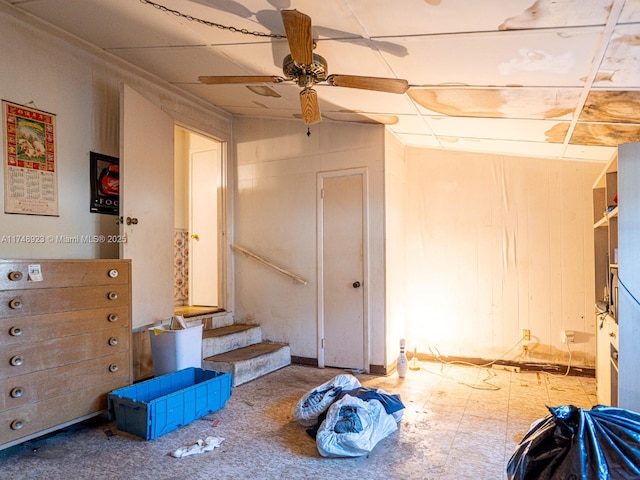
[113,273]
[15,276]
[112,317]
[16,361]
[113,341]
[15,331]
[16,425]
[17,392]
[113,368]
[112,295]
[15,303]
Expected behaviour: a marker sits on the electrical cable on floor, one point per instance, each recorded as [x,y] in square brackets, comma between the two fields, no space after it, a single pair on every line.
[568,365]
[485,366]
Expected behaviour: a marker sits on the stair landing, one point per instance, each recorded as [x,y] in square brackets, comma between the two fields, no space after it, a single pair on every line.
[250,362]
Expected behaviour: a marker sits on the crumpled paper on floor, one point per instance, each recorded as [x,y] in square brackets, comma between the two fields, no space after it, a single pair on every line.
[200,446]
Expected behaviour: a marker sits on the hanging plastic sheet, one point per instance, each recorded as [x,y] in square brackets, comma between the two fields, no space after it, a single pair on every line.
[572,443]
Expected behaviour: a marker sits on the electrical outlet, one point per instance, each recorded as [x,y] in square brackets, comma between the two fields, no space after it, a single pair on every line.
[526,335]
[568,336]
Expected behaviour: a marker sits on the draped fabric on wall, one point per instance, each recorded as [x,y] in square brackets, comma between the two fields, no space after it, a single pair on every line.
[497,244]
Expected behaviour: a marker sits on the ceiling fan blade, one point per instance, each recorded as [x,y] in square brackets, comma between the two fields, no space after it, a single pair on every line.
[299,35]
[390,85]
[223,80]
[310,106]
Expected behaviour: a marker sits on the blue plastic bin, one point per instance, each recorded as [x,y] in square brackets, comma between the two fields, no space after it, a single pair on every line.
[154,407]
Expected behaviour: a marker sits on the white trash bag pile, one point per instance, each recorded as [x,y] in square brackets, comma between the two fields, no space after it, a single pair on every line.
[348,420]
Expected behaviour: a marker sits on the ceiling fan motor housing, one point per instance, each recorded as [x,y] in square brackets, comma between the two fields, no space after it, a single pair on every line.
[305,75]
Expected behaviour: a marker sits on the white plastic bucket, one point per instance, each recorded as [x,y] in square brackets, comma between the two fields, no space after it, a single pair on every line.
[173,350]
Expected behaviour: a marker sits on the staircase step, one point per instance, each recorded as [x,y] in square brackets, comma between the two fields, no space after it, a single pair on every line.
[230,337]
[251,362]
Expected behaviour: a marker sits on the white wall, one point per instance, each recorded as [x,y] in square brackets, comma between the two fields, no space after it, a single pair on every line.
[42,71]
[80,84]
[495,245]
[396,182]
[275,217]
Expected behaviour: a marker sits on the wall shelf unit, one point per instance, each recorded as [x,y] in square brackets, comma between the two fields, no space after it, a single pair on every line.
[605,232]
[617,279]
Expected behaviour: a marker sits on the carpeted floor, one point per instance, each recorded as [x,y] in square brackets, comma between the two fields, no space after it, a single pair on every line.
[459,423]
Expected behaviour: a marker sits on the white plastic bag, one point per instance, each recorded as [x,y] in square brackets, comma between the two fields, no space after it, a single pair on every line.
[316,401]
[353,427]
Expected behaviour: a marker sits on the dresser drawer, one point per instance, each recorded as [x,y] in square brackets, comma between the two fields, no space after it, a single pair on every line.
[14,274]
[18,423]
[33,357]
[20,330]
[22,303]
[54,382]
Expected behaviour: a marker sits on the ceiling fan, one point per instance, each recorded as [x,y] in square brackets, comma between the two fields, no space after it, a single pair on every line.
[306,68]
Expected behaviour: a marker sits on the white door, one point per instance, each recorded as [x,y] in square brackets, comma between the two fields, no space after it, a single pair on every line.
[343,325]
[146,205]
[203,244]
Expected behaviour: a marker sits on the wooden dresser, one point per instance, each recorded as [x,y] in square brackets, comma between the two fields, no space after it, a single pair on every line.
[65,336]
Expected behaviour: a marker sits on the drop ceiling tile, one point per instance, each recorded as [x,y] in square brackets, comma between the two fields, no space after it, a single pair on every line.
[630,12]
[491,128]
[353,99]
[505,147]
[412,140]
[605,134]
[185,64]
[419,17]
[114,23]
[329,19]
[261,96]
[591,153]
[560,58]
[411,124]
[531,103]
[620,66]
[612,106]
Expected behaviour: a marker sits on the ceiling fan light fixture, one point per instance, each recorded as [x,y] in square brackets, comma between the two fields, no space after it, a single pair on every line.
[310,106]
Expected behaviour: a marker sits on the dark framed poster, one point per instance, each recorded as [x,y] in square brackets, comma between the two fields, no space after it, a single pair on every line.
[105,183]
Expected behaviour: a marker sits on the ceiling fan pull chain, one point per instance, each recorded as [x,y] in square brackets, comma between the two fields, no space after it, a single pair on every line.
[191,18]
[308,132]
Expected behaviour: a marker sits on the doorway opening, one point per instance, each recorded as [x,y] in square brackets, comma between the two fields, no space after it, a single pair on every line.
[199,224]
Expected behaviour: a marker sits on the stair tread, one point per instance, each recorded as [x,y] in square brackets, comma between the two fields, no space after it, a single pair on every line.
[246,353]
[196,311]
[227,330]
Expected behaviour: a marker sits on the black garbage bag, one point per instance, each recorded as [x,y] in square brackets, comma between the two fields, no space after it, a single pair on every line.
[572,443]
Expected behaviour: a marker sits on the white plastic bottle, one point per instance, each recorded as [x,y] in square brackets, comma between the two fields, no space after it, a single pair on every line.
[403,363]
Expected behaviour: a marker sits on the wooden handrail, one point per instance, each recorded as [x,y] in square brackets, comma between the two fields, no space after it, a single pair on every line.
[246,252]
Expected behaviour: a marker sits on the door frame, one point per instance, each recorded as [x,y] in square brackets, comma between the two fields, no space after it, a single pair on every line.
[320,177]
[225,277]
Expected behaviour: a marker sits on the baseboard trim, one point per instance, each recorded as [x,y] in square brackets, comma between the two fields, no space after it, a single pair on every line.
[304,361]
[373,369]
[556,369]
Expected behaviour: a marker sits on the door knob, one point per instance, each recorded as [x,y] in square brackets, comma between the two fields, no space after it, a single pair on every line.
[356,284]
[195,236]
[132,221]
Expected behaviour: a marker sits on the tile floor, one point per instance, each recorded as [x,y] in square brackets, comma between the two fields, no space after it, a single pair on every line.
[460,422]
